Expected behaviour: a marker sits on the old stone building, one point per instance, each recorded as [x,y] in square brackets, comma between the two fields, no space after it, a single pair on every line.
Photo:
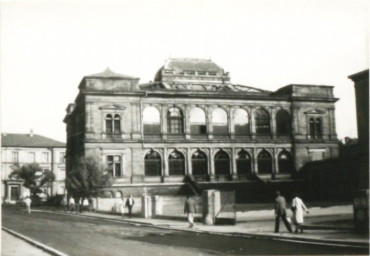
[192,121]
[21,149]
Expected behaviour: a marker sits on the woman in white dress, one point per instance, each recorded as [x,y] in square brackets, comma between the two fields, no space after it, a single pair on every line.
[28,202]
[298,207]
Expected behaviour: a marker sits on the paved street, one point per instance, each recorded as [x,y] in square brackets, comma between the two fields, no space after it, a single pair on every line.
[76,235]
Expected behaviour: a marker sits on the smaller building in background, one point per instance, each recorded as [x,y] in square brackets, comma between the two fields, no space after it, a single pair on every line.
[30,148]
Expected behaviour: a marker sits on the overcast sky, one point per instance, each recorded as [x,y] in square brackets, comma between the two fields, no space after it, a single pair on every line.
[48,46]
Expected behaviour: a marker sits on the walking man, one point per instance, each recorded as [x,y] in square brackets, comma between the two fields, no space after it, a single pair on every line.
[130,203]
[280,212]
[190,209]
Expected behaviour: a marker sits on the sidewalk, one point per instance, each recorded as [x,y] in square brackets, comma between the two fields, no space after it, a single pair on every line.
[338,230]
[14,246]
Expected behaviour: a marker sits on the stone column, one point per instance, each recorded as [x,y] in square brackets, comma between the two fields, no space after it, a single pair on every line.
[187,122]
[165,163]
[295,121]
[164,122]
[230,122]
[190,167]
[275,168]
[332,128]
[209,122]
[234,174]
[252,122]
[211,164]
[254,161]
[88,117]
[135,120]
[273,122]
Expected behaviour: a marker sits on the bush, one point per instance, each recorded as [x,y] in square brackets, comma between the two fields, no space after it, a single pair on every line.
[54,200]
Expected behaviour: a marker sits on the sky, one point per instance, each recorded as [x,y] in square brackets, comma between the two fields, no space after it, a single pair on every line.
[46,48]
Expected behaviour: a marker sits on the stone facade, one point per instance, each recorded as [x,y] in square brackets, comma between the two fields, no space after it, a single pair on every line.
[29,148]
[193,121]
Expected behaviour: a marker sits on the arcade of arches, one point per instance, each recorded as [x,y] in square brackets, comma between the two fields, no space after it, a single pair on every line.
[240,165]
[216,120]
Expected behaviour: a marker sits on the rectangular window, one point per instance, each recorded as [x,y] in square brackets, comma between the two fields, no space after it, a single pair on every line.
[31,157]
[15,157]
[62,156]
[114,165]
[190,72]
[202,73]
[211,73]
[45,157]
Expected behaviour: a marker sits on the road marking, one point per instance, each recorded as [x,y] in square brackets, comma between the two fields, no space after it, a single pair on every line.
[42,246]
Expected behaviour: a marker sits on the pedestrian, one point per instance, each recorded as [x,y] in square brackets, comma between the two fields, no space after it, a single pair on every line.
[297,208]
[28,202]
[280,212]
[190,209]
[71,204]
[122,207]
[130,203]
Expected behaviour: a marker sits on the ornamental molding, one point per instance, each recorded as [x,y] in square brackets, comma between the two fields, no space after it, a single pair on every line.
[315,112]
[112,107]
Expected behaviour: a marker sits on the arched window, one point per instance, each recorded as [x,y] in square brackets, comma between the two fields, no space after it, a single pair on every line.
[175,122]
[283,123]
[315,128]
[199,163]
[152,164]
[219,121]
[108,124]
[222,163]
[241,122]
[285,162]
[262,122]
[243,164]
[264,162]
[151,121]
[117,124]
[197,121]
[176,163]
[113,125]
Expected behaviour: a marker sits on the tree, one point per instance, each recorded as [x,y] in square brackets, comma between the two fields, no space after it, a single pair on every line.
[33,175]
[87,177]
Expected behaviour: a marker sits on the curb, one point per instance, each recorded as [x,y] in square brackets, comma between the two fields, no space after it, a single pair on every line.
[39,245]
[333,242]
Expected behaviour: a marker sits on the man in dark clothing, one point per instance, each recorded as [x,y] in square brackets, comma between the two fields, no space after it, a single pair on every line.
[130,203]
[280,212]
[190,209]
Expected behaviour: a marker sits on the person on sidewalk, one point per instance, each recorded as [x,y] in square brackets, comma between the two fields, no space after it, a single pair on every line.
[280,212]
[297,208]
[190,209]
[28,202]
[130,203]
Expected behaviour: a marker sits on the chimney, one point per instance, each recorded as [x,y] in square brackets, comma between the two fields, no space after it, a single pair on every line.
[31,133]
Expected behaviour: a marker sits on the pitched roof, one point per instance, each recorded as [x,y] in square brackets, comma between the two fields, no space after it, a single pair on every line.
[192,64]
[107,73]
[25,140]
